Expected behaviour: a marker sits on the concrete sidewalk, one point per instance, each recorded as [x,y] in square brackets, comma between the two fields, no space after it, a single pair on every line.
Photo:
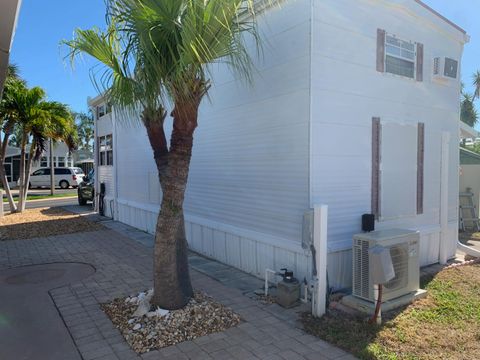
[122,257]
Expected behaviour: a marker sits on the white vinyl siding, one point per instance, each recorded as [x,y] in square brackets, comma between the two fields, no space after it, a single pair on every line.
[348,91]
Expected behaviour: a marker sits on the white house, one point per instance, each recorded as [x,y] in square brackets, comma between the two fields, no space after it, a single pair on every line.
[61,158]
[355,104]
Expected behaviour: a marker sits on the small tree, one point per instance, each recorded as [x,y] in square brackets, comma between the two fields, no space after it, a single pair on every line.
[85,122]
[157,52]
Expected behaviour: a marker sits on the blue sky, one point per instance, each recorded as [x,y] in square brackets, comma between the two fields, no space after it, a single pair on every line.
[36,50]
[43,23]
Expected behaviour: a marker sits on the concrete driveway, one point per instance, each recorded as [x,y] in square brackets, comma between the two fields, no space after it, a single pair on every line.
[30,326]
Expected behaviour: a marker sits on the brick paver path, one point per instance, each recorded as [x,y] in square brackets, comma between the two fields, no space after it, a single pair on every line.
[124,267]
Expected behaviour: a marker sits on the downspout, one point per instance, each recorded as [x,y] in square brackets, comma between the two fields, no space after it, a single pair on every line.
[310,120]
[115,168]
[444,184]
[96,185]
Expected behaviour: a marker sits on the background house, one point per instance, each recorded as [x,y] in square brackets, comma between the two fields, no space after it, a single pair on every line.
[61,158]
[355,104]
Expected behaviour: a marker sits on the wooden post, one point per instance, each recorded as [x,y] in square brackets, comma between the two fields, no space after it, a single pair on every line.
[320,218]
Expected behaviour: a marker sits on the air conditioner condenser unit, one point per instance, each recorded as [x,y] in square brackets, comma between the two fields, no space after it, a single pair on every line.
[445,68]
[403,246]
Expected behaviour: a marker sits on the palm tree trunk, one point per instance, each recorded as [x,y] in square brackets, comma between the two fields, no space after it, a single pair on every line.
[27,175]
[22,175]
[172,285]
[3,175]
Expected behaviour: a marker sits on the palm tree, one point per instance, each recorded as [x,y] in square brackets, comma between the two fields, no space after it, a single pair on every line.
[158,52]
[468,112]
[8,119]
[37,120]
[476,83]
[53,121]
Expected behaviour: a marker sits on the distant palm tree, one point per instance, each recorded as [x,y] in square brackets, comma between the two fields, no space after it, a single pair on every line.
[468,112]
[36,121]
[476,83]
[8,119]
[158,52]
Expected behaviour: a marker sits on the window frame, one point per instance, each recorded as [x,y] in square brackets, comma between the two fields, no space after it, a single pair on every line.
[44,161]
[105,150]
[413,61]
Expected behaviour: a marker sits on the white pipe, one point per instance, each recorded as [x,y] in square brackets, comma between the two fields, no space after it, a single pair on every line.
[468,250]
[445,249]
[268,271]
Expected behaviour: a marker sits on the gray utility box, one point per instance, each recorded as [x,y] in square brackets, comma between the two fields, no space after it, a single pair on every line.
[403,246]
[288,293]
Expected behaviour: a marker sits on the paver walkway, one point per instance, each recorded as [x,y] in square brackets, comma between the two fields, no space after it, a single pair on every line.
[123,267]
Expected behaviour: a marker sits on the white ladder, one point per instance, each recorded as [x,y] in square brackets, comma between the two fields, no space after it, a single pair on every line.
[468,212]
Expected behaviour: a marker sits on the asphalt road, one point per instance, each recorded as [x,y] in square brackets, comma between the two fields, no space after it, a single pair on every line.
[46,203]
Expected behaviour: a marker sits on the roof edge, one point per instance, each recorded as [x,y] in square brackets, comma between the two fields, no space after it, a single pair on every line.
[433,11]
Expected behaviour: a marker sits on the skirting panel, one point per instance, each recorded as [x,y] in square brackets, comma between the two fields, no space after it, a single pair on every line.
[252,253]
[248,253]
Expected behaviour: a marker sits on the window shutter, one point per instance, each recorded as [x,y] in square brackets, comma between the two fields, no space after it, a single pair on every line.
[380,50]
[420,166]
[419,62]
[376,138]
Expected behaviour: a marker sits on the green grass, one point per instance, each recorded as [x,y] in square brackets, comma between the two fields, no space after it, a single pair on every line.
[43,197]
[445,325]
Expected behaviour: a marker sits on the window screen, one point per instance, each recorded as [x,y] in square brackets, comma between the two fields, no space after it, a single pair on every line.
[399,57]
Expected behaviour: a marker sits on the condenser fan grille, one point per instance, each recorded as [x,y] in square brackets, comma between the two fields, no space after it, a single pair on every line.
[399,254]
[362,287]
[361,269]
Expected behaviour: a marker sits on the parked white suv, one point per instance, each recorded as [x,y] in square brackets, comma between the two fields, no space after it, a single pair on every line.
[64,177]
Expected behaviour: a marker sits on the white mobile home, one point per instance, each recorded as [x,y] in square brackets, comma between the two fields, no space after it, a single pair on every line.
[355,104]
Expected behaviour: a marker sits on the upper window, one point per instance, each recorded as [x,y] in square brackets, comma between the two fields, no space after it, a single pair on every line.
[103,110]
[105,150]
[44,161]
[399,57]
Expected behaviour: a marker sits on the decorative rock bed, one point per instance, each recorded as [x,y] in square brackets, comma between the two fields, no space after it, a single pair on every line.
[160,328]
[43,222]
